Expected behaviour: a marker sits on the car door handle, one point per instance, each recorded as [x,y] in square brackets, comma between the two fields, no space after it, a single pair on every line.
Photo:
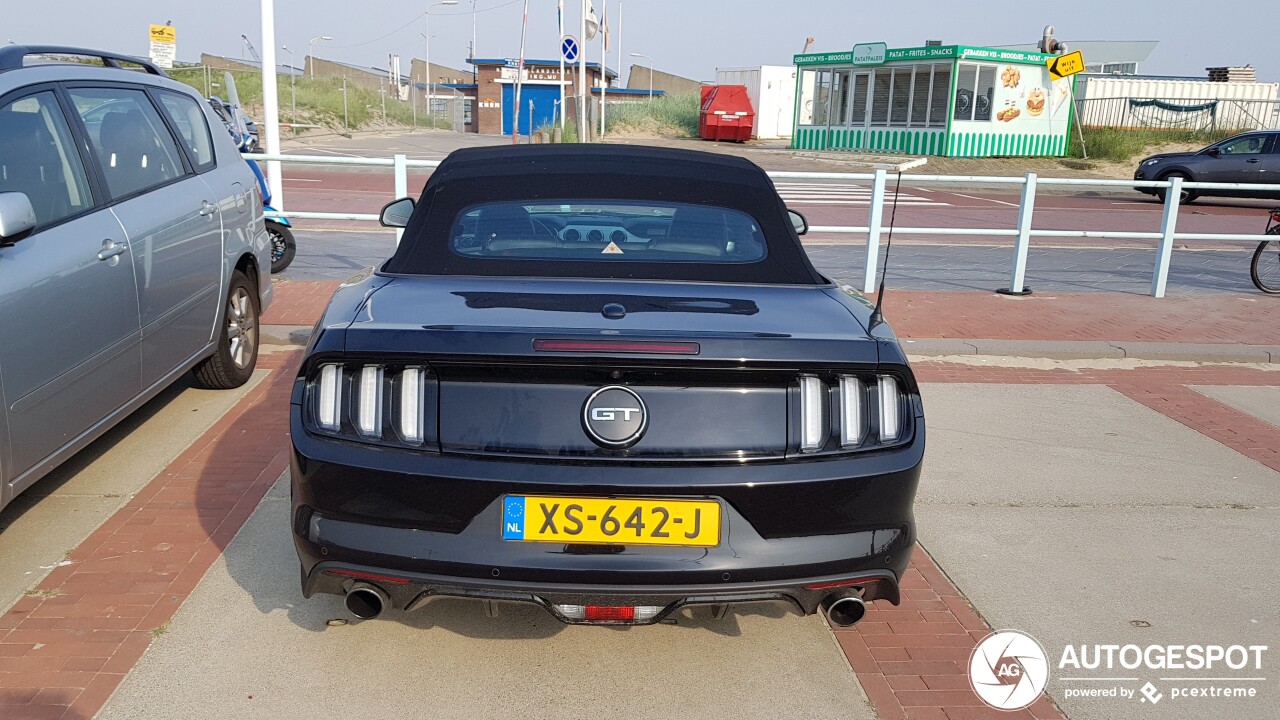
[111,248]
[1253,160]
[207,209]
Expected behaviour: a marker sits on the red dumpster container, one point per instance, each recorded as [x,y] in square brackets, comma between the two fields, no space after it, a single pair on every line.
[726,113]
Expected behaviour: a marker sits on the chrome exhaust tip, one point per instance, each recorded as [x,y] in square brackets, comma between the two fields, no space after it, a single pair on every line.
[844,609]
[365,602]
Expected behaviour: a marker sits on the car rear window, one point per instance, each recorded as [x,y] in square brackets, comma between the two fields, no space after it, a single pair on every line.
[607,231]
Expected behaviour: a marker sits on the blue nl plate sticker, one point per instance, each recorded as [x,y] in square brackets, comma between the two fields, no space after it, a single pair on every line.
[513,518]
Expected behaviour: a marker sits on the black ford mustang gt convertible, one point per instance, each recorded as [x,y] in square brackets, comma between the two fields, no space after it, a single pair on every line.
[606,381]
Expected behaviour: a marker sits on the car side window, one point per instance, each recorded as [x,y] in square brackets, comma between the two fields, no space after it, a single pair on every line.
[190,121]
[133,145]
[38,158]
[1248,145]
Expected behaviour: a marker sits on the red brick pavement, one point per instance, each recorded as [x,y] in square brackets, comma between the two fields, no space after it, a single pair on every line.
[1202,318]
[66,646]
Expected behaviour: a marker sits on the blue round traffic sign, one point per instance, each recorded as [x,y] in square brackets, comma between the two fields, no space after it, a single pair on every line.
[569,48]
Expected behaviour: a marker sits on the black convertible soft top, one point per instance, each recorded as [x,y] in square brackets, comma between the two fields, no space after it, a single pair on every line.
[606,172]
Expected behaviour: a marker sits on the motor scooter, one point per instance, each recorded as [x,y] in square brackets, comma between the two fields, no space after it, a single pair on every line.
[283,247]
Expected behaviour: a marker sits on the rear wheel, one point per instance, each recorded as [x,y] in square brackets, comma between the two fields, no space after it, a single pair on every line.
[282,247]
[1265,269]
[1187,195]
[237,353]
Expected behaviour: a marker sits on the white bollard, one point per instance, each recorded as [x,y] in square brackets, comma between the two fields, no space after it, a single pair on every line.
[1018,273]
[1168,225]
[402,187]
[876,217]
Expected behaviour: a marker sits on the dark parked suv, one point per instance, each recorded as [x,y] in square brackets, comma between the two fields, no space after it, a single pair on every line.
[1251,158]
[132,250]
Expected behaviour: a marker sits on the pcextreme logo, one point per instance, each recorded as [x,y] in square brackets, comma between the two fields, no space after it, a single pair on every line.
[1008,670]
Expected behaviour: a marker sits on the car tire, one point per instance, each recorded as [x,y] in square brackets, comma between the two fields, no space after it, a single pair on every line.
[236,355]
[283,247]
[1188,196]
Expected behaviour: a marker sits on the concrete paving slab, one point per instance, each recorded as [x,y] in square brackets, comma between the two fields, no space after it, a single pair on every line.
[44,523]
[1076,445]
[1075,514]
[1260,402]
[278,658]
[1072,576]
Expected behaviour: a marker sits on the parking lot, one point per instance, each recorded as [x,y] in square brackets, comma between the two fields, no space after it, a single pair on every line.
[1095,500]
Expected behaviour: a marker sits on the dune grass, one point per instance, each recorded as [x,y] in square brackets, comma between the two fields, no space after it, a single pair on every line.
[1128,144]
[667,115]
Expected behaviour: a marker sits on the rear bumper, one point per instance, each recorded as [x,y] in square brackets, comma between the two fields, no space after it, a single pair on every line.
[412,591]
[422,526]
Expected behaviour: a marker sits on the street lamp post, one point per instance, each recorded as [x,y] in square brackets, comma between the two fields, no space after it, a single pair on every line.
[426,36]
[293,90]
[646,57]
[311,52]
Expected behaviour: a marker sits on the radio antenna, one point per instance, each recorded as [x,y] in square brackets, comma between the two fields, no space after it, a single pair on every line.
[877,316]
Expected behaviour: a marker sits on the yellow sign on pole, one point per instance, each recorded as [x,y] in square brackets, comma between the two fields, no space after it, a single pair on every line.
[1065,65]
[164,34]
[164,45]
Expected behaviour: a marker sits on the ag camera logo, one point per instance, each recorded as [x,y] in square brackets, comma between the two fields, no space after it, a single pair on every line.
[1008,670]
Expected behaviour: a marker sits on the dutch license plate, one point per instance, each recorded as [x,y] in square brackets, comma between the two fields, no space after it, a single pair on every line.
[611,520]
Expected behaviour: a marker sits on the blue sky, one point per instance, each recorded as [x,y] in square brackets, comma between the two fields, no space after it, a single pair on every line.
[687,37]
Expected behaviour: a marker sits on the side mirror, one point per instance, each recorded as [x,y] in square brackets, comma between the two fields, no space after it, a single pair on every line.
[798,222]
[396,214]
[1213,152]
[17,217]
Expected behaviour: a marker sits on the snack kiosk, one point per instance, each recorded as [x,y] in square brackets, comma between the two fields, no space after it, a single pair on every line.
[947,100]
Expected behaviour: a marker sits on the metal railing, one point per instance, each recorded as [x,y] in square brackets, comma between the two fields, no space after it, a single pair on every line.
[1021,233]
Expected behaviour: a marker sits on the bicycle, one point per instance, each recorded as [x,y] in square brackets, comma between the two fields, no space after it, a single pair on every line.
[1265,268]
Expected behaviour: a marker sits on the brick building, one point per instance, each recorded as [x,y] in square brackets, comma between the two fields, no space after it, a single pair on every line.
[494,93]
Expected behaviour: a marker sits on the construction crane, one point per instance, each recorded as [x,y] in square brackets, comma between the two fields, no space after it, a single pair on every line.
[808,43]
[253,51]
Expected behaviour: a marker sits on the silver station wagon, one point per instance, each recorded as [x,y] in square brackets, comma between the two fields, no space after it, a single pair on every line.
[132,250]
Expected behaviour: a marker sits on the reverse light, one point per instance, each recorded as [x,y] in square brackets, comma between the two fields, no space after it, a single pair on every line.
[813,428]
[852,422]
[329,402]
[369,407]
[411,410]
[890,400]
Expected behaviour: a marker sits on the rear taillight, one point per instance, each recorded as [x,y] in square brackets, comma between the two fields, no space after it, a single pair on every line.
[412,412]
[890,402]
[853,426]
[813,414]
[868,412]
[328,398]
[375,403]
[369,406]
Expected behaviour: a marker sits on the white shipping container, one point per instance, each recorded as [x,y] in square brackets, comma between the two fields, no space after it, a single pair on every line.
[1106,101]
[772,90]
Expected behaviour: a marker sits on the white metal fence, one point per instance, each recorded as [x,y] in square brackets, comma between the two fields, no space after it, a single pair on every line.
[1165,236]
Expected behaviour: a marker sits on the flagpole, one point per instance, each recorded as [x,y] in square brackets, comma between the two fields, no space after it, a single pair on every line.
[582,78]
[560,25]
[604,56]
[515,116]
[620,41]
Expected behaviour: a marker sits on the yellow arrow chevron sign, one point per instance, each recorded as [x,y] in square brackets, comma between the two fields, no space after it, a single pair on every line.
[1065,65]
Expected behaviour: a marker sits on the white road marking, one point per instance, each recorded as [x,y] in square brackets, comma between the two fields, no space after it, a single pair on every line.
[971,197]
[813,193]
